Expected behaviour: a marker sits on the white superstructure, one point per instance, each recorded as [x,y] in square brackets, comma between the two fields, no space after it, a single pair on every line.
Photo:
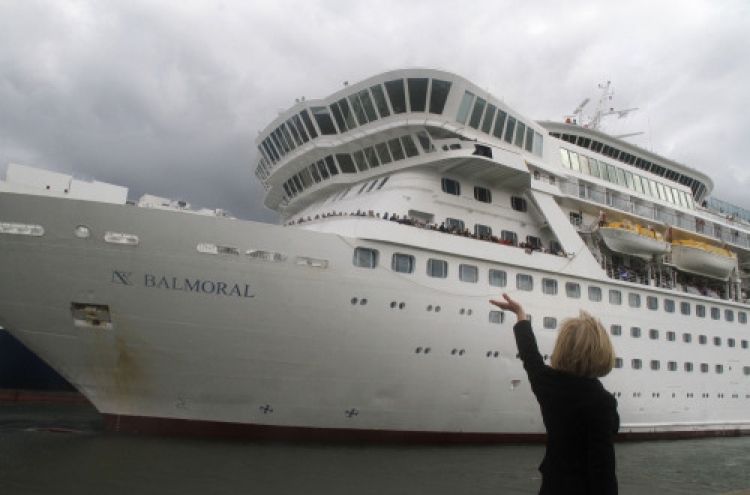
[342,324]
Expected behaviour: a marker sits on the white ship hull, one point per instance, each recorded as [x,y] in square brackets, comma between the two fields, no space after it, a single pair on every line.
[290,350]
[343,326]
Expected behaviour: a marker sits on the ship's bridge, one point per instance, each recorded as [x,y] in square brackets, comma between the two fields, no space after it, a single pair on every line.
[392,121]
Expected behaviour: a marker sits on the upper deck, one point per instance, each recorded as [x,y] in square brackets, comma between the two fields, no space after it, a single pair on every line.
[365,128]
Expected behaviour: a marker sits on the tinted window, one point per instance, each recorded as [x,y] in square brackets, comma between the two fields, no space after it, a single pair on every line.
[418,94]
[437,268]
[323,118]
[439,95]
[365,257]
[395,90]
[402,263]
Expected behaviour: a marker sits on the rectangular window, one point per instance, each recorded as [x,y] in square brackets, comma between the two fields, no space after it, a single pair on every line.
[383,153]
[731,342]
[397,95]
[509,129]
[655,365]
[368,106]
[717,341]
[742,317]
[653,334]
[454,224]
[482,194]
[669,305]
[402,263]
[482,231]
[468,273]
[687,337]
[463,110]
[450,186]
[728,315]
[634,300]
[497,316]
[498,278]
[618,362]
[380,102]
[565,157]
[689,367]
[359,159]
[715,313]
[439,95]
[437,268]
[704,367]
[323,118]
[672,366]
[700,311]
[635,332]
[549,286]
[346,164]
[397,152]
[372,157]
[549,322]
[615,330]
[418,93]
[518,204]
[685,308]
[573,290]
[477,112]
[636,364]
[671,336]
[702,339]
[652,303]
[365,257]
[508,237]
[615,297]
[520,133]
[489,116]
[359,110]
[595,294]
[497,131]
[524,282]
[409,146]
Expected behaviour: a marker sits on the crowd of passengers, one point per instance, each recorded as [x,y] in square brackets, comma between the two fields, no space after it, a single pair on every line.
[685,284]
[452,229]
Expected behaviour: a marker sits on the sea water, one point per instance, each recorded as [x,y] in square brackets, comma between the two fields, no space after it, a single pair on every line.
[62,449]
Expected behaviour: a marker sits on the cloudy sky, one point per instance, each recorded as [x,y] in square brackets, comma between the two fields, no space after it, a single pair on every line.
[166,97]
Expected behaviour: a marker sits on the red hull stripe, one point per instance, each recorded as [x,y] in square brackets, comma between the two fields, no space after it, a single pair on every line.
[215,429]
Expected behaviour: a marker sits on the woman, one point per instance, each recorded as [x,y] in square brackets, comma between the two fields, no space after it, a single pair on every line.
[579,414]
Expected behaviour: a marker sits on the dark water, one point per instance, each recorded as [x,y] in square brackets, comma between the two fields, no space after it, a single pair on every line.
[36,457]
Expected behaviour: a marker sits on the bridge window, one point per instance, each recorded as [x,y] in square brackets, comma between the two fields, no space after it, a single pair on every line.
[380,101]
[439,95]
[418,93]
[397,95]
[323,118]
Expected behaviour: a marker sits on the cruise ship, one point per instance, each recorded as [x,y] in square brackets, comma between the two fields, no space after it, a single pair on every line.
[407,201]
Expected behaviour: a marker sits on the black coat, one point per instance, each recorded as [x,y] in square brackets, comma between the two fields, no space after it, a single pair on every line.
[581,420]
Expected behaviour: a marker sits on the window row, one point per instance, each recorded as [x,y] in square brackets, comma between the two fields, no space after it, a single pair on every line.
[360,161]
[670,306]
[405,263]
[492,120]
[654,334]
[481,194]
[687,366]
[698,188]
[365,106]
[624,178]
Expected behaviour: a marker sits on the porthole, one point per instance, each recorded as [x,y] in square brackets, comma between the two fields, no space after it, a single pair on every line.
[393,304]
[429,307]
[363,302]
[82,232]
[402,305]
[354,301]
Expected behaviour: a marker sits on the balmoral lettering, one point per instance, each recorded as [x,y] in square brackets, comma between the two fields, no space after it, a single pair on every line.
[197,285]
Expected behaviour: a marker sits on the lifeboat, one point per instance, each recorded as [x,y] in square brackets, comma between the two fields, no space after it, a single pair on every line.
[629,238]
[703,259]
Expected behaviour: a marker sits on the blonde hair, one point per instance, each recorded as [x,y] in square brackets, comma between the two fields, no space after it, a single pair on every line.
[583,347]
